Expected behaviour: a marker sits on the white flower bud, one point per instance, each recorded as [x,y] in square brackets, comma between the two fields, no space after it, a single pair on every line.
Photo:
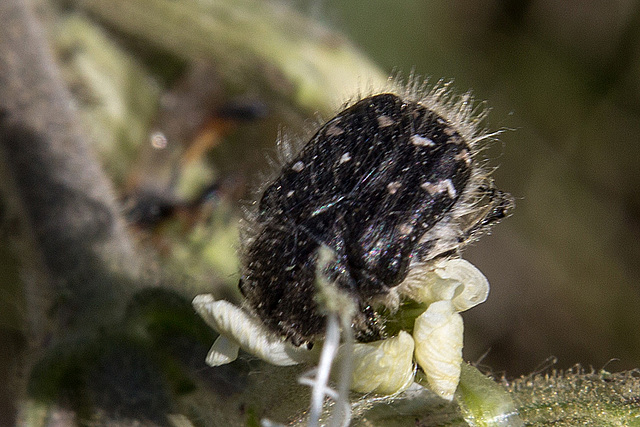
[450,279]
[475,286]
[438,347]
[383,367]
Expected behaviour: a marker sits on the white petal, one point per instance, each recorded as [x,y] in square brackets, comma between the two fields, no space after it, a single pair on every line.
[384,367]
[438,341]
[449,279]
[475,289]
[248,332]
[222,351]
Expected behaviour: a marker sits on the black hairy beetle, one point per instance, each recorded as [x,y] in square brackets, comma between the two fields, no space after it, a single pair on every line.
[387,183]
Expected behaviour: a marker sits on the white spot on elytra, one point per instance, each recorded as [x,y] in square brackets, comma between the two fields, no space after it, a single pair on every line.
[345,158]
[439,187]
[334,130]
[405,229]
[393,187]
[385,121]
[298,166]
[290,193]
[422,141]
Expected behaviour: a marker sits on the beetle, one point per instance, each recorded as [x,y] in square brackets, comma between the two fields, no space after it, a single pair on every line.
[390,182]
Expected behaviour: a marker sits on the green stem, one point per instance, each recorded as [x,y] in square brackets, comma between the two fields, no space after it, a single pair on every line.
[484,402]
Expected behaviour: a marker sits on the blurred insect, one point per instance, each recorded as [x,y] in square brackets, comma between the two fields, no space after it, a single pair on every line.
[190,123]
